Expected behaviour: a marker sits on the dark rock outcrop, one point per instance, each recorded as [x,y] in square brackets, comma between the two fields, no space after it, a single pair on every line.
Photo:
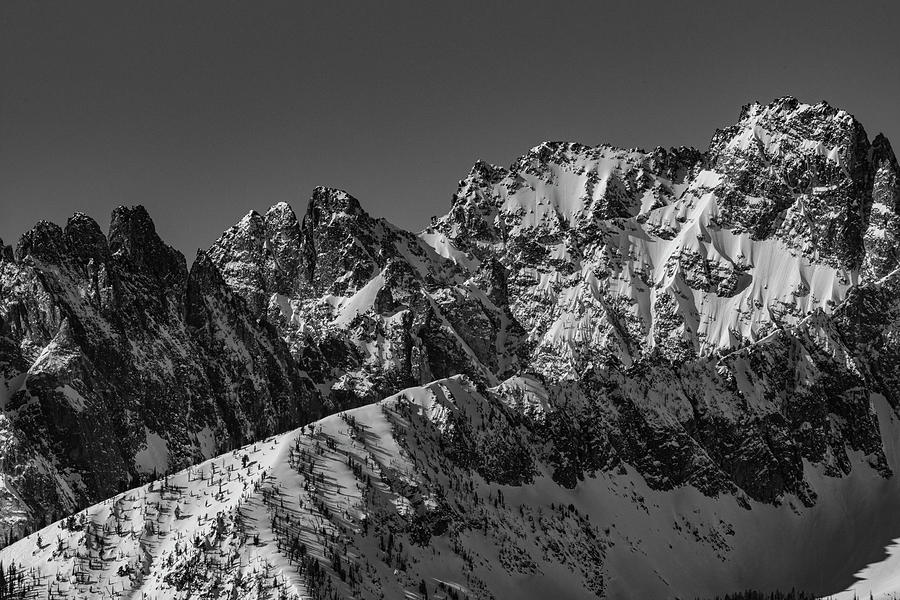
[118,365]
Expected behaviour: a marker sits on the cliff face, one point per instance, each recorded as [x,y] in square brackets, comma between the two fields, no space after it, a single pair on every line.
[119,364]
[362,304]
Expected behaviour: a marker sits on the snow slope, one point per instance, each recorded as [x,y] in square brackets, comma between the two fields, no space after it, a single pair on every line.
[381,501]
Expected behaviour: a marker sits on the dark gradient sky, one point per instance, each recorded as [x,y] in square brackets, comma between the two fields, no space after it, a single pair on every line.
[202,111]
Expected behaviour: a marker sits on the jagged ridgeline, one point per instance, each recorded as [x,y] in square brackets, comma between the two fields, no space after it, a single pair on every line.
[669,353]
[119,364]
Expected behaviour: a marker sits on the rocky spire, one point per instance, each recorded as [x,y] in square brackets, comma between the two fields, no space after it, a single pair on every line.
[240,255]
[43,242]
[85,240]
[283,241]
[339,238]
[133,239]
[882,237]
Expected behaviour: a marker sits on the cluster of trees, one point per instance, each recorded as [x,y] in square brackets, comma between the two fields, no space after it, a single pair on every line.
[394,554]
[13,584]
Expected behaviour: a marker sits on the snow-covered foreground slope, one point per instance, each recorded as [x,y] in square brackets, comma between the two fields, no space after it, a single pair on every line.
[879,580]
[435,490]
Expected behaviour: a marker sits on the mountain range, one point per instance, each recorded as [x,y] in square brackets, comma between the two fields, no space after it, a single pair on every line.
[603,373]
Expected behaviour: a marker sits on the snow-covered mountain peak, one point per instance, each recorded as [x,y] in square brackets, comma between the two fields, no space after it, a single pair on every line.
[553,188]
[790,129]
[282,209]
[84,239]
[329,202]
[801,173]
[485,171]
[240,254]
[882,148]
[131,229]
[684,231]
[785,105]
[81,240]
[44,241]
[249,220]
[281,218]
[133,239]
[283,243]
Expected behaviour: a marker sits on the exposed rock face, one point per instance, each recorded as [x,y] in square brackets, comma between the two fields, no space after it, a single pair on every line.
[803,174]
[118,364]
[367,308]
[883,232]
[682,252]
